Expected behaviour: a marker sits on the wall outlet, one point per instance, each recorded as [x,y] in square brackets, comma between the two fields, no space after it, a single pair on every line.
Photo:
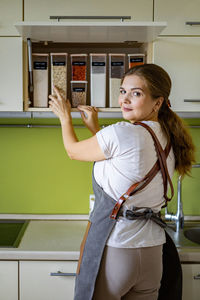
[91,203]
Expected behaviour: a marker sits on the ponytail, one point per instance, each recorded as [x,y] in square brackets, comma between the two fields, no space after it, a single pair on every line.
[179,137]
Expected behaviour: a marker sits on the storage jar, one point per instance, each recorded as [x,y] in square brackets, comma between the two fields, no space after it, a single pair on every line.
[78,93]
[59,73]
[40,79]
[98,79]
[116,71]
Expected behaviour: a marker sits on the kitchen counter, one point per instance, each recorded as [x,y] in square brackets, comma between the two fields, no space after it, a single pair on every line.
[48,240]
[60,240]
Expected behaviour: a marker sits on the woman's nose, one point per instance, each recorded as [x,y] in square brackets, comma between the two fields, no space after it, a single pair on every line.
[126,98]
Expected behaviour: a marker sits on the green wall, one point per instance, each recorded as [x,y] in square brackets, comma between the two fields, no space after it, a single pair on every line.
[37,177]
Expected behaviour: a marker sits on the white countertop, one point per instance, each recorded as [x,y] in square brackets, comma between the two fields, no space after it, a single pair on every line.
[60,240]
[48,240]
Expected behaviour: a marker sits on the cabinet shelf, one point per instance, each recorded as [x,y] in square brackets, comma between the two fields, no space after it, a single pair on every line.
[100,109]
[87,32]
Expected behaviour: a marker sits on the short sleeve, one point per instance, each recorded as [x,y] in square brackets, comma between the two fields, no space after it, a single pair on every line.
[108,141]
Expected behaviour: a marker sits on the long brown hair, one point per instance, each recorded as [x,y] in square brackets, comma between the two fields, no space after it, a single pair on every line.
[159,84]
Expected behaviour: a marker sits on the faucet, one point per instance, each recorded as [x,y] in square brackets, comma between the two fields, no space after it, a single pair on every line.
[178,218]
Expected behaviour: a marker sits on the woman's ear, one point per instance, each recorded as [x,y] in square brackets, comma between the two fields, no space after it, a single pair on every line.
[158,103]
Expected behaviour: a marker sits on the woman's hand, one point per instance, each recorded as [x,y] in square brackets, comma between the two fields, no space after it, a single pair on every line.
[60,106]
[91,120]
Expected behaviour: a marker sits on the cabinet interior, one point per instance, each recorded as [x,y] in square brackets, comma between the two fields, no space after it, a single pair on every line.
[78,48]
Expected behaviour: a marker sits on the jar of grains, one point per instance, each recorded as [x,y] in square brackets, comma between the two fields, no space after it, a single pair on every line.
[78,66]
[78,93]
[135,60]
[59,73]
[116,71]
[40,79]
[98,79]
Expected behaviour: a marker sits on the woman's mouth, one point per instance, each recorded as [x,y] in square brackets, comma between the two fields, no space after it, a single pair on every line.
[126,109]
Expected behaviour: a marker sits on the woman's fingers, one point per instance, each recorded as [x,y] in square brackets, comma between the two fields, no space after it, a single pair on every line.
[56,90]
[87,108]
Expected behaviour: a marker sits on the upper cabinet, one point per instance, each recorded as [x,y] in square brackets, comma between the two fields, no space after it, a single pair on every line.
[180,57]
[10,13]
[177,13]
[37,10]
[11,98]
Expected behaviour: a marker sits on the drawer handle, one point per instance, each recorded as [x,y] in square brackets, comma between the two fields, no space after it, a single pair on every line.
[192,23]
[197,276]
[59,273]
[191,100]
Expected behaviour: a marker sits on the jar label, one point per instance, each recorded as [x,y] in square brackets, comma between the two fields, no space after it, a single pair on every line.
[78,63]
[136,59]
[40,65]
[117,63]
[98,64]
[59,63]
[78,89]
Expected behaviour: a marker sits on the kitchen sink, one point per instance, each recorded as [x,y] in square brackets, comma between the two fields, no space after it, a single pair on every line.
[188,237]
[11,232]
[193,234]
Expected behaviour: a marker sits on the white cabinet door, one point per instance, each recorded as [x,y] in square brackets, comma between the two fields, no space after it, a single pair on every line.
[9,280]
[191,281]
[139,10]
[176,13]
[38,283]
[180,57]
[10,13]
[11,98]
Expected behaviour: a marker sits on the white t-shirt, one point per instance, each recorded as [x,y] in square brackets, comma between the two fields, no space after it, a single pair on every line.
[130,154]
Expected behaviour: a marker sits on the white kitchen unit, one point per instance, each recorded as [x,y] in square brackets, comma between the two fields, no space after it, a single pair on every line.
[47,280]
[180,57]
[176,13]
[10,13]
[139,10]
[11,96]
[127,37]
[9,280]
[191,281]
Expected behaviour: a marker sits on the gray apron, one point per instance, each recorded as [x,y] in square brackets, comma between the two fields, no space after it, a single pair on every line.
[100,225]
[97,233]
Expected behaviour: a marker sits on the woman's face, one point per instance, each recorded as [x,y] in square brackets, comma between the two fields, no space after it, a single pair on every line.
[136,102]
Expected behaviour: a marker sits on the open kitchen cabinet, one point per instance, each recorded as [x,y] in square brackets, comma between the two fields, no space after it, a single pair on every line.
[85,38]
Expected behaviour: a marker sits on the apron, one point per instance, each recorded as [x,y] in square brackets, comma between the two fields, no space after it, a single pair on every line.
[103,218]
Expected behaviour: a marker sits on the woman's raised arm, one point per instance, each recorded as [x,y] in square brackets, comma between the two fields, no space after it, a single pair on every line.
[86,150]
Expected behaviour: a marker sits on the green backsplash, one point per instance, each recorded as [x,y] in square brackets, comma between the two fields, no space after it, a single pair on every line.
[37,177]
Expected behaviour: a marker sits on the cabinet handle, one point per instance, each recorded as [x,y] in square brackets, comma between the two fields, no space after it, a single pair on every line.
[196,166]
[191,100]
[192,23]
[197,276]
[59,273]
[122,18]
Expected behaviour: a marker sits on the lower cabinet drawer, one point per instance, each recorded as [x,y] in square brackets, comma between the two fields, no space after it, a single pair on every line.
[52,280]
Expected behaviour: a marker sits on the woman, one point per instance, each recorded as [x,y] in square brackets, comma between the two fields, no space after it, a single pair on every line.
[131,260]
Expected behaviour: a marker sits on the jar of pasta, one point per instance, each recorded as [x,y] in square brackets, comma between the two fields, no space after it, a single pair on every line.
[59,73]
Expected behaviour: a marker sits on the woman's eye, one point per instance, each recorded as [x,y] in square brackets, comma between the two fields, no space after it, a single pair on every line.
[122,92]
[137,94]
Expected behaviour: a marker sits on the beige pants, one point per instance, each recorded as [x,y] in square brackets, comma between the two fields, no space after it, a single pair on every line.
[129,274]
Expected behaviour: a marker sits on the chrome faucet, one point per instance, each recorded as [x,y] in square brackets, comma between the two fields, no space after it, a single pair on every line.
[178,218]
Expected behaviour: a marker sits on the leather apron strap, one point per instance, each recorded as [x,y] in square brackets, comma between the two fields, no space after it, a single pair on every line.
[161,164]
